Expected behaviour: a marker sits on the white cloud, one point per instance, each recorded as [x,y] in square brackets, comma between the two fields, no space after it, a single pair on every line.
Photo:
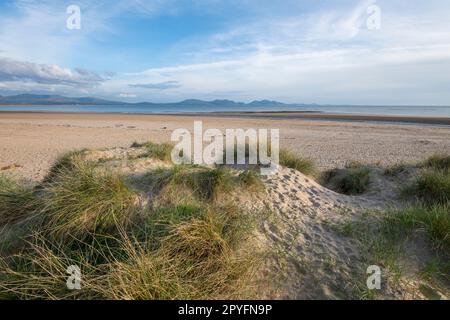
[350,75]
[24,71]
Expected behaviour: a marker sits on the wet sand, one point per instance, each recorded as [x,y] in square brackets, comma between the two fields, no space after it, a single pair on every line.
[311,115]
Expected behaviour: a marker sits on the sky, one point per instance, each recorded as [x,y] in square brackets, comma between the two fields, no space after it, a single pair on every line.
[365,52]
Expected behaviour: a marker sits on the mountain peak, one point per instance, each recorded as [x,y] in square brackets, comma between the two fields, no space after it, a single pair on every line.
[222,102]
[192,101]
[266,103]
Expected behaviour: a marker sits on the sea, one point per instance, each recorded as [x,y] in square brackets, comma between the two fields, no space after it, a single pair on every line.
[421,111]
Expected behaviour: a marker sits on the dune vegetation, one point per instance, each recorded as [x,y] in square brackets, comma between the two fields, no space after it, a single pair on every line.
[159,151]
[287,158]
[385,236]
[290,160]
[193,232]
[181,243]
[354,179]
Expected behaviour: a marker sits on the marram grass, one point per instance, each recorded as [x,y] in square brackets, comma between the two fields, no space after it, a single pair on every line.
[90,217]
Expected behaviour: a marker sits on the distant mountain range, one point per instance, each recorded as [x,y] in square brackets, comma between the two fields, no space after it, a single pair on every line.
[34,99]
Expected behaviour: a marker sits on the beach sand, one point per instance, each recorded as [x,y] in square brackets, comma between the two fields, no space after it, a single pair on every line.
[30,142]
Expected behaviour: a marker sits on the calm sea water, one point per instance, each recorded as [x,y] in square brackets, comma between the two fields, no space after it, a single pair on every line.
[369,110]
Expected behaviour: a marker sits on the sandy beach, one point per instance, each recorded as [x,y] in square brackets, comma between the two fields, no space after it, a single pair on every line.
[30,142]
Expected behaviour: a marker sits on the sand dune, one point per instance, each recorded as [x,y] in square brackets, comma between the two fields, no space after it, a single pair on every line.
[307,258]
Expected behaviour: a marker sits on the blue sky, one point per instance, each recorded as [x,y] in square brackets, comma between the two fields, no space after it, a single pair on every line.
[168,50]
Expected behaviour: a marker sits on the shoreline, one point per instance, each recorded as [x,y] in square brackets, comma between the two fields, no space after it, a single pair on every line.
[278,115]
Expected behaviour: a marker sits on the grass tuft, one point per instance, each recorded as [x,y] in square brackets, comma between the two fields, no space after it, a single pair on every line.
[136,144]
[199,182]
[395,169]
[431,186]
[353,164]
[82,199]
[434,220]
[291,160]
[251,180]
[16,201]
[65,162]
[352,181]
[161,151]
[197,259]
[438,161]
